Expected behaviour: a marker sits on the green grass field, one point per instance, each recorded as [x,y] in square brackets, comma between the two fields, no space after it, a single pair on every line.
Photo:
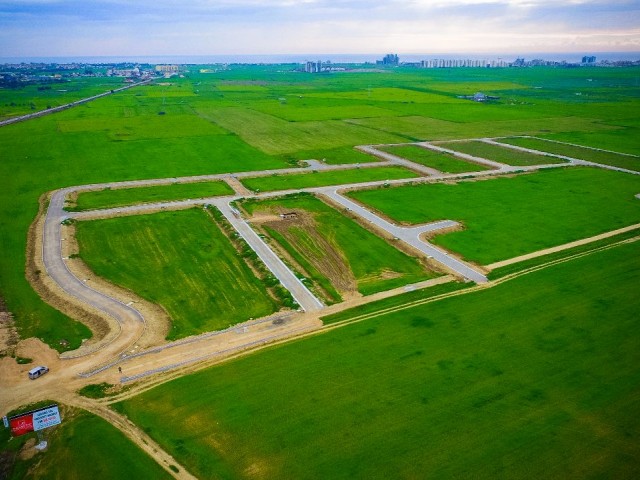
[573,151]
[509,216]
[82,446]
[21,101]
[181,261]
[535,378]
[440,161]
[323,178]
[109,198]
[234,120]
[332,156]
[336,249]
[500,154]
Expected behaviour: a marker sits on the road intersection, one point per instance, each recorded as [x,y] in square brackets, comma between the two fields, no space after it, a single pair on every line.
[130,322]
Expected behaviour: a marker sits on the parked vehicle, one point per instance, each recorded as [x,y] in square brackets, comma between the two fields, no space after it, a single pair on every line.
[37,372]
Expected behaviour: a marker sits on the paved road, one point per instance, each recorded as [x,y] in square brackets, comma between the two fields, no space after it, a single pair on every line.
[300,292]
[483,161]
[394,159]
[411,236]
[131,322]
[574,161]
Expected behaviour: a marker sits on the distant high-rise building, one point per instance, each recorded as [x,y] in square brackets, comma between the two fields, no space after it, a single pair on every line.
[313,67]
[389,59]
[588,60]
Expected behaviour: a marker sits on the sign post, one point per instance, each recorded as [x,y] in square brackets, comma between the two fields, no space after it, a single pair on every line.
[35,421]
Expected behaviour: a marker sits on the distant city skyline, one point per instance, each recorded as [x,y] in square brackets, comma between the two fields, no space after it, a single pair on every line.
[46,28]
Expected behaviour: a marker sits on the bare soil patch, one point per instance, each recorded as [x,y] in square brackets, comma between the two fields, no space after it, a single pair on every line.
[8,333]
[301,229]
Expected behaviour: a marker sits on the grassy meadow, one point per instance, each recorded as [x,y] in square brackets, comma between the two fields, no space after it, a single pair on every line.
[109,197]
[181,261]
[505,217]
[334,251]
[499,154]
[248,118]
[324,178]
[82,446]
[441,161]
[534,378]
[22,101]
[581,153]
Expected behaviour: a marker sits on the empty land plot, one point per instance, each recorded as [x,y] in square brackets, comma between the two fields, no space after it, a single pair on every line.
[323,178]
[574,151]
[439,160]
[275,136]
[500,154]
[536,377]
[109,198]
[333,156]
[422,128]
[181,261]
[505,217]
[144,127]
[334,249]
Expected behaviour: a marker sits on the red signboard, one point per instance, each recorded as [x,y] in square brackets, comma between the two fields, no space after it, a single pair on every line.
[21,425]
[35,420]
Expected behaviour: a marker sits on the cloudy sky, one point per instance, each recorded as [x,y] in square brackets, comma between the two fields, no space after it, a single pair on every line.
[30,28]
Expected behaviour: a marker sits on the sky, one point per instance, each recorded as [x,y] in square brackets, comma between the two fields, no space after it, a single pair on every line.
[42,28]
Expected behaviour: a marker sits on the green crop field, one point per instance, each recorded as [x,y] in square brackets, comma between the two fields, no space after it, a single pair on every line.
[108,197]
[535,378]
[505,217]
[275,136]
[500,154]
[332,156]
[324,178]
[440,161]
[21,101]
[573,151]
[180,260]
[247,118]
[334,248]
[82,446]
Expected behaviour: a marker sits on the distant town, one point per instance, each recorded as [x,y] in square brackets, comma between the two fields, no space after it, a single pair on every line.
[16,75]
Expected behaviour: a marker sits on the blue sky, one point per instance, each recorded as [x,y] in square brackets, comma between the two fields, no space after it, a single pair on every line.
[229,27]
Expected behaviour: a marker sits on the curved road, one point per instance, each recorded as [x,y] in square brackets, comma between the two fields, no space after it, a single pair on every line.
[131,322]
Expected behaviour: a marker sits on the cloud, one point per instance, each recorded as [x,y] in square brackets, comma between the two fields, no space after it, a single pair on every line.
[116,27]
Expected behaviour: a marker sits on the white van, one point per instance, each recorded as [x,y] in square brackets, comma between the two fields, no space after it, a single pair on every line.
[37,372]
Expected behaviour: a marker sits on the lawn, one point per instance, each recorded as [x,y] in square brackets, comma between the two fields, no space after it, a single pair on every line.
[84,446]
[440,161]
[333,248]
[500,154]
[109,197]
[506,217]
[574,151]
[181,261]
[324,178]
[537,377]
